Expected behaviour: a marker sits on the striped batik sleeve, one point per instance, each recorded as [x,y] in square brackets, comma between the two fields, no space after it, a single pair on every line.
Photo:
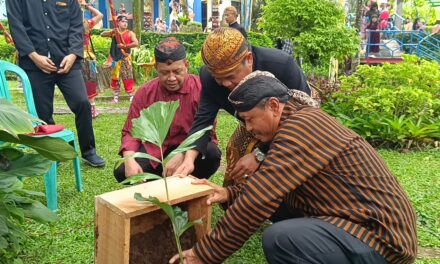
[304,144]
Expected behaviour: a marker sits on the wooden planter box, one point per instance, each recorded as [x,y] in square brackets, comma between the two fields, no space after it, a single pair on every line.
[129,231]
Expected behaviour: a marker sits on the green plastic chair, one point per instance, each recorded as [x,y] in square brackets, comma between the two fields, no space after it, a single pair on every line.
[50,178]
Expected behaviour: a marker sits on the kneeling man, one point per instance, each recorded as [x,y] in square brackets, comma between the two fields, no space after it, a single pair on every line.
[331,197]
[173,83]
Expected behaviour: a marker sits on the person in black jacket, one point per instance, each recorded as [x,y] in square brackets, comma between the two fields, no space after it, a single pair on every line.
[49,38]
[231,15]
[219,77]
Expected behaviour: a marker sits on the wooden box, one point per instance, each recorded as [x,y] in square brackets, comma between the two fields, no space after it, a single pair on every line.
[122,223]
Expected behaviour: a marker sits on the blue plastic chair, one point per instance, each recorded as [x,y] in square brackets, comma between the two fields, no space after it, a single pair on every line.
[50,178]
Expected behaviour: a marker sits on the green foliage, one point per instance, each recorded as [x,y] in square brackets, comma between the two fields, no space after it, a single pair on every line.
[7,51]
[288,19]
[393,104]
[325,43]
[16,203]
[316,27]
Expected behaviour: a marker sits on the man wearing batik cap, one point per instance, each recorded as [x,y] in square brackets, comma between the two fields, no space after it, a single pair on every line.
[173,83]
[228,59]
[344,205]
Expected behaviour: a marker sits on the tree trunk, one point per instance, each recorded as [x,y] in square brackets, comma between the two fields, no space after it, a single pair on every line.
[399,11]
[137,18]
[359,15]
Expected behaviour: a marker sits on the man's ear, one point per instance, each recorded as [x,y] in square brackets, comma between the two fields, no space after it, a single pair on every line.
[274,105]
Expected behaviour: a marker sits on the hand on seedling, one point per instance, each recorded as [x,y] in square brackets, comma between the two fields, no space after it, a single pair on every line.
[174,164]
[185,168]
[220,194]
[246,165]
[189,257]
[132,168]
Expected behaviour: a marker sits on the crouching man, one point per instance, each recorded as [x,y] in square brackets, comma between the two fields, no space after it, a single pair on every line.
[331,197]
[173,83]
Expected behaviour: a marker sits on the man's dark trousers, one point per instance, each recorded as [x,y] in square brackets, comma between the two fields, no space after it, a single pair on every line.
[73,89]
[311,240]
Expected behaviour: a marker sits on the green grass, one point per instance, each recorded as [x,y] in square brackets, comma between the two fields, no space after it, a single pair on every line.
[71,239]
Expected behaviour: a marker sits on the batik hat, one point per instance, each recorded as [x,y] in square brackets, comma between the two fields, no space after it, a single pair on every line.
[223,50]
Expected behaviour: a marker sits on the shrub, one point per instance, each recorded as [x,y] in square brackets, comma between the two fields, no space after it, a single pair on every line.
[393,105]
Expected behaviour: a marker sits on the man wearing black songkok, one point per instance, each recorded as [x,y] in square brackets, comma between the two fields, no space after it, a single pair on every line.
[173,83]
[344,204]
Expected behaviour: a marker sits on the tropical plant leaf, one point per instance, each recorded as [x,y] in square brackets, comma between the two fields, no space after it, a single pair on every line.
[186,144]
[137,155]
[139,197]
[181,221]
[10,152]
[154,122]
[140,178]
[38,212]
[14,120]
[52,148]
[3,243]
[3,226]
[168,209]
[27,166]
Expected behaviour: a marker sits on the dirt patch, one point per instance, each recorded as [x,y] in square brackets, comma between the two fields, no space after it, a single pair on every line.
[424,252]
[157,245]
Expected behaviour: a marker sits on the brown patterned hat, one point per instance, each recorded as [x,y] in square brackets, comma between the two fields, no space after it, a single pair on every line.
[223,50]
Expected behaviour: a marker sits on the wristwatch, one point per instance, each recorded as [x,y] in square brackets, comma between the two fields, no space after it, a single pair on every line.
[259,156]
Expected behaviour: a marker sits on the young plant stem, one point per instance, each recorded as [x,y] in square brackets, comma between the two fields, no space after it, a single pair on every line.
[179,247]
[164,176]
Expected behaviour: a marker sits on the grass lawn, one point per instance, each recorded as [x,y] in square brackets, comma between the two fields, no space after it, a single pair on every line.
[71,239]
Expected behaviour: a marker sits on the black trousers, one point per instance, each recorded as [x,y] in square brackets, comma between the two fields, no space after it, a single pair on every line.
[74,91]
[204,167]
[310,240]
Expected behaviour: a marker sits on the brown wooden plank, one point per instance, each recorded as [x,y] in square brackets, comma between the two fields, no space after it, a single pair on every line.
[197,209]
[180,190]
[112,235]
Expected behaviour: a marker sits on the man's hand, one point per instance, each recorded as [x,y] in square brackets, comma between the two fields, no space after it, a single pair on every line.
[187,166]
[189,257]
[67,63]
[132,168]
[245,166]
[220,194]
[122,46]
[43,63]
[173,164]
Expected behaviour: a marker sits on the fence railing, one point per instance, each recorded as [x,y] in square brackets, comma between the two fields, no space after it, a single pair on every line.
[410,42]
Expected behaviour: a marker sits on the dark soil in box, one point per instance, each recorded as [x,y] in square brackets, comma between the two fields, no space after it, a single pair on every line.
[157,245]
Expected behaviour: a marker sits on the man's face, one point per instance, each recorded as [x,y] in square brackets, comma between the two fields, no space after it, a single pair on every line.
[230,80]
[171,76]
[230,17]
[123,24]
[263,122]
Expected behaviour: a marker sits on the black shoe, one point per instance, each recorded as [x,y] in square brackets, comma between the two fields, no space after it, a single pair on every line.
[94,160]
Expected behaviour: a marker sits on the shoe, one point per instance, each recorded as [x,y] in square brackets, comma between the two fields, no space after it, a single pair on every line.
[94,160]
[94,112]
[115,99]
[131,98]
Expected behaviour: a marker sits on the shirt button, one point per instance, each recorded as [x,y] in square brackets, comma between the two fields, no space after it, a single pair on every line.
[48,39]
[45,13]
[44,0]
[47,27]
